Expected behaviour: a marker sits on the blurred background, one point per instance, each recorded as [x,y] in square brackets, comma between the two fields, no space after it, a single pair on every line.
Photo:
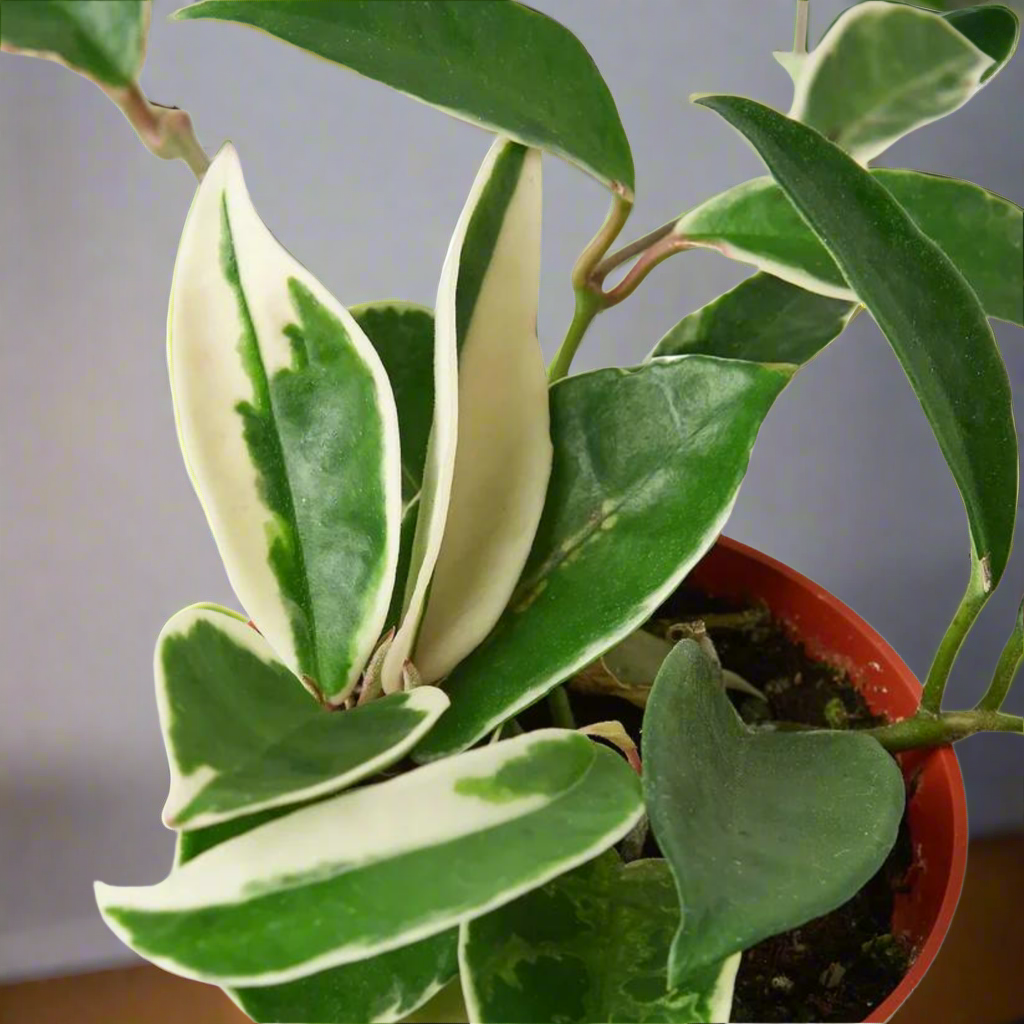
[102,539]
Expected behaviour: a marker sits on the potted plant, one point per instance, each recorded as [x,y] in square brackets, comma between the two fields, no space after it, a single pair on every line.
[490,737]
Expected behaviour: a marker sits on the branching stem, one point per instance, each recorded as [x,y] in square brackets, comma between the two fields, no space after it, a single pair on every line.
[800,26]
[930,730]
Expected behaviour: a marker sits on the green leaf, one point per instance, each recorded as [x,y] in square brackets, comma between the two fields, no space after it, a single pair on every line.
[290,434]
[762,319]
[500,65]
[105,40]
[908,67]
[763,830]
[924,307]
[403,335]
[300,894]
[242,735]
[981,233]
[648,463]
[382,988]
[590,946]
[489,456]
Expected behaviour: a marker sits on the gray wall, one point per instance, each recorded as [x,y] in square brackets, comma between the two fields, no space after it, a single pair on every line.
[102,538]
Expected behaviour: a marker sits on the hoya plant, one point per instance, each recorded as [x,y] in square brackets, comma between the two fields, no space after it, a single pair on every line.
[429,533]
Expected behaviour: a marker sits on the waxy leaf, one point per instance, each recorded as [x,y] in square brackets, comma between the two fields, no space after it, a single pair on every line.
[489,456]
[884,69]
[243,735]
[763,830]
[590,946]
[105,40]
[500,65]
[403,335]
[982,233]
[382,866]
[383,988]
[924,307]
[762,319]
[648,463]
[290,434]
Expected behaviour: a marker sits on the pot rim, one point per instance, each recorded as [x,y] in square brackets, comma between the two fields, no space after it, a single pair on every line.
[939,766]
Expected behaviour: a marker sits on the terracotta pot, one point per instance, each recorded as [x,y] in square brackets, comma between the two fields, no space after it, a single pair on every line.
[937,809]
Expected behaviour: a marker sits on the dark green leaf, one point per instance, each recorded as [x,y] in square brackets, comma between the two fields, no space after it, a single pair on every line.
[590,946]
[103,39]
[647,465]
[925,308]
[494,63]
[763,830]
[762,319]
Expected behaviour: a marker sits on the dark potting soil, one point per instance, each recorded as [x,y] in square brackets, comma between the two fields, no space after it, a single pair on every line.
[840,966]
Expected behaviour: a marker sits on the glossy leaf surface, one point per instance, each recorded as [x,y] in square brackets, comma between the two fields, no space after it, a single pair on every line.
[924,307]
[243,735]
[763,830]
[102,39]
[590,946]
[884,69]
[500,65]
[981,233]
[370,871]
[647,466]
[290,434]
[489,456]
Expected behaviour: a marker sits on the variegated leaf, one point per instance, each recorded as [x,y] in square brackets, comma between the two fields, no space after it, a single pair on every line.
[981,232]
[383,866]
[590,946]
[884,69]
[489,456]
[242,735]
[290,434]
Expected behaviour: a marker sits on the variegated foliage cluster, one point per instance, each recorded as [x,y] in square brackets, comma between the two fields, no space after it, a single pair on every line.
[426,539]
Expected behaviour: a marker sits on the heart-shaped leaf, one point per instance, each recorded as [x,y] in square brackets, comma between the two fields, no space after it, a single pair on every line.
[489,455]
[383,988]
[290,434]
[592,945]
[500,65]
[884,69]
[924,307]
[105,40]
[647,466]
[370,870]
[242,735]
[763,830]
[762,319]
[982,233]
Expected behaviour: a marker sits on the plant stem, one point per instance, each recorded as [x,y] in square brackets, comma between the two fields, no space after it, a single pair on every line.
[622,204]
[977,593]
[930,730]
[655,254]
[801,26]
[561,709]
[166,132]
[627,252]
[588,305]
[1009,663]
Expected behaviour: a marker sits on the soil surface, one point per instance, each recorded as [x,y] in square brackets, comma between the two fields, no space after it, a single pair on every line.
[840,966]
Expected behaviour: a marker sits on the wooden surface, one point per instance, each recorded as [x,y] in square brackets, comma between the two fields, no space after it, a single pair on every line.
[978,977]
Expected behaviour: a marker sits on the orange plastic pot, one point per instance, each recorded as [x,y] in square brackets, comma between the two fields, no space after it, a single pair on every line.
[937,808]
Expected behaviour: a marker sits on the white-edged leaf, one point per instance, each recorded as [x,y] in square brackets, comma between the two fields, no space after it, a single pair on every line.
[488,464]
[290,434]
[242,735]
[884,69]
[382,866]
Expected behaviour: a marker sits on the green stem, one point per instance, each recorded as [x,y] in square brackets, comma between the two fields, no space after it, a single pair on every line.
[973,601]
[561,709]
[800,26]
[930,730]
[1009,663]
[588,305]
